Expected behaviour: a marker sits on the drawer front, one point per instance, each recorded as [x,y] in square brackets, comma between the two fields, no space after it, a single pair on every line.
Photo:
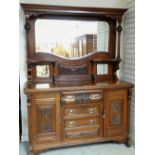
[82,114]
[82,110]
[81,97]
[82,134]
[74,123]
[82,122]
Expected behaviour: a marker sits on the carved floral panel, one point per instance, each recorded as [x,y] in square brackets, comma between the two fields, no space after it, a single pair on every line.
[81,70]
[116,113]
[45,124]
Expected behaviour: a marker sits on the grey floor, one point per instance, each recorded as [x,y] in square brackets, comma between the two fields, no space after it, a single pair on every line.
[92,149]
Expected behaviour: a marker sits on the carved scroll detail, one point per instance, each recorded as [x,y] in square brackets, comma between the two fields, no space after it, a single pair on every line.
[27,26]
[45,118]
[116,67]
[82,70]
[119,28]
[116,113]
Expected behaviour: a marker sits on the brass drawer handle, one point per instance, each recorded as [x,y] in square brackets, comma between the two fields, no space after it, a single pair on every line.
[71,112]
[69,98]
[72,124]
[92,122]
[95,96]
[91,110]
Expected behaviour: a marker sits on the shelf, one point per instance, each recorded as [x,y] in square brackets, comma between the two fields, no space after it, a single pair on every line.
[35,61]
[106,61]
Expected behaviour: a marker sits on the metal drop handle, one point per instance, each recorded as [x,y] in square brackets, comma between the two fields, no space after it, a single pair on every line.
[72,124]
[72,111]
[91,110]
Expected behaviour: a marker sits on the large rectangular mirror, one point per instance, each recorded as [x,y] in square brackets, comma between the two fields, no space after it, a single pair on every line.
[71,38]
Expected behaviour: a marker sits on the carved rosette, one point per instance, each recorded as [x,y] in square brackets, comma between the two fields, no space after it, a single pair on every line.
[119,28]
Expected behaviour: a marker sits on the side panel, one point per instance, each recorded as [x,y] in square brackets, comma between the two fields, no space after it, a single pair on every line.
[116,105]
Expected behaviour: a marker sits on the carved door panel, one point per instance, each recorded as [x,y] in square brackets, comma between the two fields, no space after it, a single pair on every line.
[116,113]
[46,118]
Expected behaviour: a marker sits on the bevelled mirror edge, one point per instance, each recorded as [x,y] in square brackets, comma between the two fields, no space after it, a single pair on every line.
[89,42]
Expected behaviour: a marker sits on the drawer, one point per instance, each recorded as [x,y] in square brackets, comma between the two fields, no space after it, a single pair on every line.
[82,134]
[77,123]
[81,97]
[45,96]
[84,109]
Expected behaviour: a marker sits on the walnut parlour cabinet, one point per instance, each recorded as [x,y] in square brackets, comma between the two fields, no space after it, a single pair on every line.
[75,101]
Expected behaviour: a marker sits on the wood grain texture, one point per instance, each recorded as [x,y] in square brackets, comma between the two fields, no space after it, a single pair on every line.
[65,10]
[74,105]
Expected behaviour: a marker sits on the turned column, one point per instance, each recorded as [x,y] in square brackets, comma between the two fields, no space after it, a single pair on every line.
[118,58]
[119,30]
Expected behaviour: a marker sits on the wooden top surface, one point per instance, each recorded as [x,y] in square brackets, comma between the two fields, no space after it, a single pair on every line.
[72,9]
[47,87]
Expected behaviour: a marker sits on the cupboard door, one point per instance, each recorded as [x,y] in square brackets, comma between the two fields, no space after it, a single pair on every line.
[46,118]
[116,113]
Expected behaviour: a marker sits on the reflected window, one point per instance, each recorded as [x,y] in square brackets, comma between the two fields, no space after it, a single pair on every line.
[102,36]
[102,69]
[42,71]
[71,38]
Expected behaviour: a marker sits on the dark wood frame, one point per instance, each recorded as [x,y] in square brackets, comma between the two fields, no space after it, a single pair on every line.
[111,15]
[34,12]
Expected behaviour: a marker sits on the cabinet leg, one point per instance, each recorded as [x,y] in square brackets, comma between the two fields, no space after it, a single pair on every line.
[127,143]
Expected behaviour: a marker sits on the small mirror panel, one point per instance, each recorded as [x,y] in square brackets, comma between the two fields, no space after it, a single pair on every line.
[102,69]
[42,71]
[71,38]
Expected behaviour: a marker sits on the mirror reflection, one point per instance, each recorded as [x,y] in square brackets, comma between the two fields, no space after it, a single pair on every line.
[42,71]
[102,69]
[71,38]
